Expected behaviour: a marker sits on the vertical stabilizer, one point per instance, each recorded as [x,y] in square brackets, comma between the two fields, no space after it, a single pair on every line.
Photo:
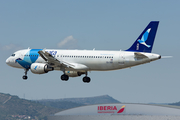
[144,43]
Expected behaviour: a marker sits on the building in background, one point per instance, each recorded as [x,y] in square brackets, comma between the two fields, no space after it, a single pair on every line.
[119,111]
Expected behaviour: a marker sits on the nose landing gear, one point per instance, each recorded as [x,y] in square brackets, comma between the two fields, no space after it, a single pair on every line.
[25,76]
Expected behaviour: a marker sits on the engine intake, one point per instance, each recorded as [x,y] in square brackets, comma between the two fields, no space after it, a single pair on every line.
[40,68]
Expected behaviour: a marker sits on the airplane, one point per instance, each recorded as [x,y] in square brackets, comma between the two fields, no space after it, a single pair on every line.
[74,63]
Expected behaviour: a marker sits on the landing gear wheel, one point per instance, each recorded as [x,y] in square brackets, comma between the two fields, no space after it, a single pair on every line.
[25,77]
[86,79]
[64,77]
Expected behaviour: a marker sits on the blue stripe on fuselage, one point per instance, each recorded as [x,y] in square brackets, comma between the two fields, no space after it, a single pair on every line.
[24,64]
[30,57]
[34,54]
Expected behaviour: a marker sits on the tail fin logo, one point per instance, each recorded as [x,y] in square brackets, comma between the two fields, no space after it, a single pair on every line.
[144,38]
[145,41]
[122,109]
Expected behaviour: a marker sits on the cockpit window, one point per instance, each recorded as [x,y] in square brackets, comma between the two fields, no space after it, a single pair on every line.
[13,55]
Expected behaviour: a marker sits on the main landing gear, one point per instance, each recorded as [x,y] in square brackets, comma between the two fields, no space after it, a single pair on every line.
[64,77]
[25,76]
[85,79]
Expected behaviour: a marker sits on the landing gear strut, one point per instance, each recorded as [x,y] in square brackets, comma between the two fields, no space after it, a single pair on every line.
[86,79]
[25,76]
[64,77]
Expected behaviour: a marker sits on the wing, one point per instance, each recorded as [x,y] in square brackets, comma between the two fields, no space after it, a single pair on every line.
[49,58]
[56,63]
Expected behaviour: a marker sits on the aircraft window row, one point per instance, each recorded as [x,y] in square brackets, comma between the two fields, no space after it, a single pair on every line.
[32,55]
[73,56]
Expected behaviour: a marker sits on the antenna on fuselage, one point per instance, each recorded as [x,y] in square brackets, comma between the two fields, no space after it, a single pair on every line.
[28,47]
[93,49]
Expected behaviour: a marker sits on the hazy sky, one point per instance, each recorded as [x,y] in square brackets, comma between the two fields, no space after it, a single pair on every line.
[99,24]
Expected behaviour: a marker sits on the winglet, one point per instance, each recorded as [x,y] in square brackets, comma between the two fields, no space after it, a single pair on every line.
[41,53]
[144,43]
[44,50]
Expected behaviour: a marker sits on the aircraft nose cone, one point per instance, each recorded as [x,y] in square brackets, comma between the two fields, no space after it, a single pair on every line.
[7,61]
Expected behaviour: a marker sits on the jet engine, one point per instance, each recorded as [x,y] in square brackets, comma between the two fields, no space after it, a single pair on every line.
[74,73]
[40,68]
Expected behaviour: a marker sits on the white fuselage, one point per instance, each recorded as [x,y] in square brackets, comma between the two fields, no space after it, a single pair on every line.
[74,63]
[94,60]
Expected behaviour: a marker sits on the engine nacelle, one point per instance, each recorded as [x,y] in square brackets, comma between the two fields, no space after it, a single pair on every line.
[74,73]
[40,68]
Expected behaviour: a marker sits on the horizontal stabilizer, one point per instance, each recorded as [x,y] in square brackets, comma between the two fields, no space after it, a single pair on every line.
[140,56]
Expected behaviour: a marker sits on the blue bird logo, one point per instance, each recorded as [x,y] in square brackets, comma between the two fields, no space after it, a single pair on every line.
[35,68]
[144,38]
